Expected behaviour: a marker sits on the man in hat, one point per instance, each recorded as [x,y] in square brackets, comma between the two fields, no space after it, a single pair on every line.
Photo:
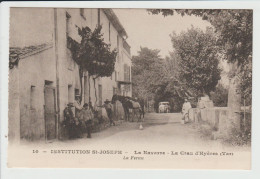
[69,121]
[78,122]
[108,106]
[185,109]
[77,105]
[86,117]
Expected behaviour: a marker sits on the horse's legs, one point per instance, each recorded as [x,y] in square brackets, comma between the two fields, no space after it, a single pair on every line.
[125,114]
[140,112]
[135,114]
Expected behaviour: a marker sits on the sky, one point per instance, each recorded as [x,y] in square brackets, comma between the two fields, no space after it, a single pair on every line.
[143,29]
[153,31]
[27,29]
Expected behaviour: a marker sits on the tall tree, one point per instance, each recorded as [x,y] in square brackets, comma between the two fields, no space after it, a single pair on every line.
[198,60]
[145,71]
[156,78]
[235,28]
[92,54]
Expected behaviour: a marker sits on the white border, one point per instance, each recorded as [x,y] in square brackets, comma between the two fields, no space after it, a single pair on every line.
[114,173]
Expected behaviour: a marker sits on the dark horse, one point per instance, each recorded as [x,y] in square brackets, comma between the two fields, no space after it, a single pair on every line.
[140,101]
[129,103]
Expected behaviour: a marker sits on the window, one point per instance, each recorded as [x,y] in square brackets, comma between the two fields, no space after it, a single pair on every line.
[70,94]
[48,83]
[114,90]
[126,72]
[33,97]
[76,91]
[118,48]
[82,14]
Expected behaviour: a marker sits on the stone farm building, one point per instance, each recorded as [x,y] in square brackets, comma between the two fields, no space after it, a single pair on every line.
[43,77]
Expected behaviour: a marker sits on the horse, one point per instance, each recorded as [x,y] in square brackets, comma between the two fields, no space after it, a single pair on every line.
[128,104]
[140,101]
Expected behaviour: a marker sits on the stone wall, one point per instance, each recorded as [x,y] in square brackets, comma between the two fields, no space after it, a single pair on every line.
[217,118]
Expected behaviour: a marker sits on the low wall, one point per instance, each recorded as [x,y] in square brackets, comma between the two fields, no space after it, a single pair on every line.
[217,118]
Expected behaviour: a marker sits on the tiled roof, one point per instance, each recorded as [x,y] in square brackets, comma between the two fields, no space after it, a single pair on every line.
[15,52]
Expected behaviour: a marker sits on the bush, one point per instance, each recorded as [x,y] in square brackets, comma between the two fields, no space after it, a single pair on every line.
[220,96]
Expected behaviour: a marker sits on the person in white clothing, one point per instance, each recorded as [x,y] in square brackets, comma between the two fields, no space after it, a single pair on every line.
[185,110]
[77,105]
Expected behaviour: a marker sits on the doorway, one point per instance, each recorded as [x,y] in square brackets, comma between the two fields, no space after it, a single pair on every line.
[50,111]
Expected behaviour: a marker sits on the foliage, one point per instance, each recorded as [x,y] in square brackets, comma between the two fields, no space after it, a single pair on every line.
[92,53]
[238,138]
[197,60]
[233,25]
[145,72]
[234,28]
[219,96]
[246,82]
[154,77]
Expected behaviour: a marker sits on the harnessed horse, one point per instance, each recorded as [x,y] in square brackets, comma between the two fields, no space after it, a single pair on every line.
[128,103]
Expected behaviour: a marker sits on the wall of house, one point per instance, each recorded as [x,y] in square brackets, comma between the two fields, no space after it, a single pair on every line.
[68,70]
[37,69]
[109,84]
[13,105]
[33,71]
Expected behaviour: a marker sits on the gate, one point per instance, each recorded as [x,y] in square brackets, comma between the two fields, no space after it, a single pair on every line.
[50,113]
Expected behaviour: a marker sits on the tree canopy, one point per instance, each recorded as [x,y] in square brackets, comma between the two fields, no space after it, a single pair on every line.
[145,71]
[234,27]
[92,53]
[197,59]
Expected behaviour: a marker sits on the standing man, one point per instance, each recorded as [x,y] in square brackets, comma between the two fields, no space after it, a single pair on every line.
[78,108]
[108,106]
[87,116]
[185,110]
[69,122]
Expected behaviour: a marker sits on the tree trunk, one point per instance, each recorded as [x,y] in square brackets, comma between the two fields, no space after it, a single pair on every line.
[80,77]
[89,87]
[234,98]
[83,88]
[94,80]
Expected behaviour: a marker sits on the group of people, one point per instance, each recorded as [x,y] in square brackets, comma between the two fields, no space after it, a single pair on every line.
[82,122]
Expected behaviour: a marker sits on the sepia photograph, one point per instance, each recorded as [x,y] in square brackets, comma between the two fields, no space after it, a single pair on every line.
[133,88]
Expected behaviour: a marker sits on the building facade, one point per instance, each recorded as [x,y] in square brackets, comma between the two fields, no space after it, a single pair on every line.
[44,78]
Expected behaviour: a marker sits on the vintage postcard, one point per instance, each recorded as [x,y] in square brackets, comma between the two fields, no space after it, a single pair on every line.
[131,88]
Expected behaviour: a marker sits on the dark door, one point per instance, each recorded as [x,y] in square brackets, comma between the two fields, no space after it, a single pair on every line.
[49,113]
